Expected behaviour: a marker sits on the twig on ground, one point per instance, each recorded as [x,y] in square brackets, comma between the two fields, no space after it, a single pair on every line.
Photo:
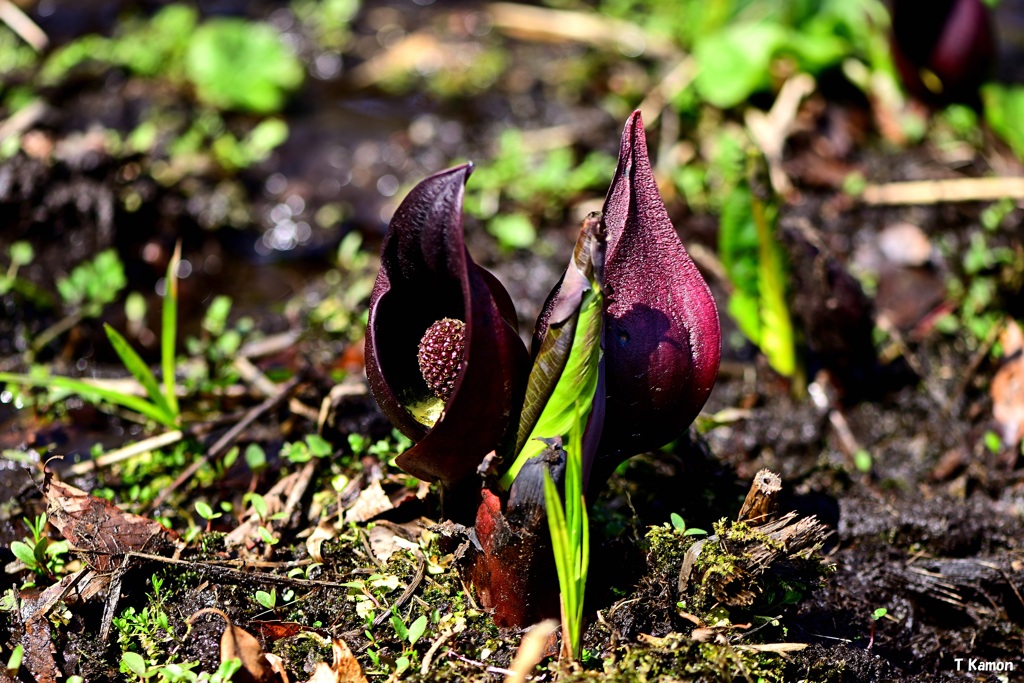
[421,571]
[269,345]
[434,647]
[229,438]
[23,119]
[231,574]
[947,190]
[253,376]
[127,452]
[22,24]
[557,26]
[486,667]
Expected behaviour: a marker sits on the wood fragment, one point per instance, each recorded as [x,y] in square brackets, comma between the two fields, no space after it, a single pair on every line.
[23,119]
[769,131]
[100,531]
[946,190]
[421,571]
[689,559]
[231,575]
[761,502]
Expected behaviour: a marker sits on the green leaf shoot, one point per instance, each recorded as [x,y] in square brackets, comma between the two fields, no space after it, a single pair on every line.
[135,365]
[94,393]
[563,381]
[570,539]
[169,333]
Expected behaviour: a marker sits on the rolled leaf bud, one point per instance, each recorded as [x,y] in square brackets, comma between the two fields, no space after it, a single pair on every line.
[662,333]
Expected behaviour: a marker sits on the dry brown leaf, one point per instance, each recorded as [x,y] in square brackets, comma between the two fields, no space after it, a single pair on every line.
[371,502]
[344,668]
[277,666]
[237,643]
[1008,386]
[324,531]
[531,650]
[101,530]
[323,674]
[388,537]
[73,589]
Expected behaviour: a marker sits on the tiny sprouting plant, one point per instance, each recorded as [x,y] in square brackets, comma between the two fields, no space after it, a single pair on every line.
[679,525]
[268,600]
[408,635]
[84,293]
[204,510]
[20,254]
[313,446]
[39,553]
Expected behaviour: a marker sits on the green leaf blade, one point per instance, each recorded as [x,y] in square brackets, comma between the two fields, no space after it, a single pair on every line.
[93,393]
[135,365]
[169,332]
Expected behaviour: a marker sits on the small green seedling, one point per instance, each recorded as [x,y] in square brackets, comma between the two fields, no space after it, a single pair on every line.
[267,536]
[21,254]
[268,600]
[410,635]
[875,616]
[301,452]
[680,526]
[206,512]
[40,554]
[863,461]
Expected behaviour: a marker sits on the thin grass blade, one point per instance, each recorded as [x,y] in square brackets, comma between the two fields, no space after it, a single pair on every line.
[169,333]
[135,365]
[93,393]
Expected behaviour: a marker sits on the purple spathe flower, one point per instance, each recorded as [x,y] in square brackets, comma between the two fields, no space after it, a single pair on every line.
[443,356]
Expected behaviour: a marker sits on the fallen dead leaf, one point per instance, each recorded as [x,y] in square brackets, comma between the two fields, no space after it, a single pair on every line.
[237,643]
[103,531]
[1008,386]
[344,668]
[371,502]
[324,531]
[38,657]
[388,537]
[277,665]
[531,650]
